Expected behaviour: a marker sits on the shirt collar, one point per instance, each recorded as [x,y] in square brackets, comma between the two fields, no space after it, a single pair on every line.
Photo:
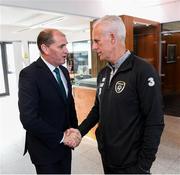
[50,66]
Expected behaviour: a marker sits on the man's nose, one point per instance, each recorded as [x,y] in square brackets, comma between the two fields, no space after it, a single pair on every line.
[94,46]
[66,50]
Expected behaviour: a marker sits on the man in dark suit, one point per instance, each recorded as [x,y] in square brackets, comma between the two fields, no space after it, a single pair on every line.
[47,106]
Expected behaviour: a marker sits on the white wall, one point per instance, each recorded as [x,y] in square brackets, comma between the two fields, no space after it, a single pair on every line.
[78,36]
[18,59]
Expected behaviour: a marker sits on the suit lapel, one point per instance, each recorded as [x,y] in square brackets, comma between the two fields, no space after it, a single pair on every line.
[41,65]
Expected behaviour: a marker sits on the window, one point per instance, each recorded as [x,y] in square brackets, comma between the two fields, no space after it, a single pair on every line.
[81,47]
[80,61]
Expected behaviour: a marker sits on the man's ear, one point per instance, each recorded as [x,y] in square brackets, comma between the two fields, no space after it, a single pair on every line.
[113,38]
[44,48]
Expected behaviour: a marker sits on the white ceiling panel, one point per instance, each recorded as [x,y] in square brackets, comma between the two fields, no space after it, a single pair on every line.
[27,19]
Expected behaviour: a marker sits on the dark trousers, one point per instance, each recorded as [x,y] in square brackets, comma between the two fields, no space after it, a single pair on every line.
[60,167]
[129,170]
[134,169]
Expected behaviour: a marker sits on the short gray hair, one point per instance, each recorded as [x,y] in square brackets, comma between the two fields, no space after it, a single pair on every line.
[113,23]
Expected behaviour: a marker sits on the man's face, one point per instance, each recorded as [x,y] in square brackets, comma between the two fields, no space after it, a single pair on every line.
[101,43]
[57,52]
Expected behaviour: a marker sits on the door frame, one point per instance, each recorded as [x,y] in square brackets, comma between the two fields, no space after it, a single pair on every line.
[5,69]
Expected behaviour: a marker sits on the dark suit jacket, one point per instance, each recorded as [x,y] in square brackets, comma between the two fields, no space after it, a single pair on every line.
[44,113]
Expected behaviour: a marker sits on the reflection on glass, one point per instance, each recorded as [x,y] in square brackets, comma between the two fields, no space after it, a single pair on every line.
[80,60]
[171,53]
[81,69]
[2,81]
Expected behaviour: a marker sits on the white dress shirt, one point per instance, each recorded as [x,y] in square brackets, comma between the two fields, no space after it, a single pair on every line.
[51,67]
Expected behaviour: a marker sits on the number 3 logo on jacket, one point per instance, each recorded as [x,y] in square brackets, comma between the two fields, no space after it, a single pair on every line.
[151,81]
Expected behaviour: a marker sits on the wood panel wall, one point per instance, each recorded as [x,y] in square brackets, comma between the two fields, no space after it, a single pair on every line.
[147,41]
[147,38]
[128,22]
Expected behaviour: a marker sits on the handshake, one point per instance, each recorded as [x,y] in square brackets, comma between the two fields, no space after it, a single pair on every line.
[72,137]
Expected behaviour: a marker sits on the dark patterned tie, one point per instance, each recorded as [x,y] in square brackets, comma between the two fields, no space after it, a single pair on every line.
[62,89]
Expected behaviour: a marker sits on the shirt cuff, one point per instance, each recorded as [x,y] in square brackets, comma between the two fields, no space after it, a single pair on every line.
[62,139]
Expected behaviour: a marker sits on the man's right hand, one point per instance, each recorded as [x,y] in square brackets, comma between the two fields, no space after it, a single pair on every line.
[72,137]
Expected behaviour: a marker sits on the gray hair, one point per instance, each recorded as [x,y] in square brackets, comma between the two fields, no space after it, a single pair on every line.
[114,24]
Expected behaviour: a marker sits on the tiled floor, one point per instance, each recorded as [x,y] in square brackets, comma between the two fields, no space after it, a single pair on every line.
[86,159]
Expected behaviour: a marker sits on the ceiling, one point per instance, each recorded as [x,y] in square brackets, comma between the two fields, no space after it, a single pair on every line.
[21,19]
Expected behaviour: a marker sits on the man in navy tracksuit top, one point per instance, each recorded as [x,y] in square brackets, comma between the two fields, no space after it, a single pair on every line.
[128,106]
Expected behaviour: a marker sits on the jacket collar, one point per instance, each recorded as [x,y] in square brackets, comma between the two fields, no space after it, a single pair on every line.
[127,64]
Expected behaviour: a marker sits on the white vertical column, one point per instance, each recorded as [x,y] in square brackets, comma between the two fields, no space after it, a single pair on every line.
[25,53]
